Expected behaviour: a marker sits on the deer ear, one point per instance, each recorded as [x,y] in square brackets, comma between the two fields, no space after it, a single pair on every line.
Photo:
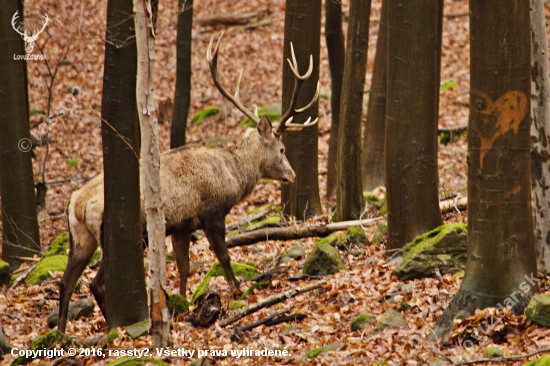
[264,128]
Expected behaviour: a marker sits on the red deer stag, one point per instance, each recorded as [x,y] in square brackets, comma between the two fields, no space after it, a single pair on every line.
[198,186]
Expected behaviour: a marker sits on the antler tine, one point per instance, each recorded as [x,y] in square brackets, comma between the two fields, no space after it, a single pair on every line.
[13,19]
[292,110]
[213,63]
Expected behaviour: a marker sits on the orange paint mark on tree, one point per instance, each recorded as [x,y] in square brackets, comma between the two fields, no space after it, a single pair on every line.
[498,117]
[512,192]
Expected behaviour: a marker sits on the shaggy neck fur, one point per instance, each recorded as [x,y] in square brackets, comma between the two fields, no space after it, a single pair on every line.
[248,156]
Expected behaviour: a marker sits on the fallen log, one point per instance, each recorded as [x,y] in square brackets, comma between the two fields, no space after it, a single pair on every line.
[322,230]
[295,232]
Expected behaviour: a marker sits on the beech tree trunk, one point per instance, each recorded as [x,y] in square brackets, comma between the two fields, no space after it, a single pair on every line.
[540,129]
[150,178]
[501,266]
[302,28]
[336,54]
[20,235]
[125,294]
[182,97]
[411,124]
[374,136]
[349,196]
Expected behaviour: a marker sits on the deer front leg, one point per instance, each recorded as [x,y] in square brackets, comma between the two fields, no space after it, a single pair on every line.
[180,243]
[214,229]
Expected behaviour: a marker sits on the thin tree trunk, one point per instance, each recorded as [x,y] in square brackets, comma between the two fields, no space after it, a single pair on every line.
[349,196]
[540,129]
[336,54]
[150,178]
[20,233]
[411,124]
[501,253]
[125,294]
[182,97]
[302,28]
[374,135]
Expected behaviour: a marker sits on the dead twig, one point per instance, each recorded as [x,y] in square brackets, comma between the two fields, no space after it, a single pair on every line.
[22,276]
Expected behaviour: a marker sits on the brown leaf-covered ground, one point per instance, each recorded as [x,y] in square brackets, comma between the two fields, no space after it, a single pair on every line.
[75,156]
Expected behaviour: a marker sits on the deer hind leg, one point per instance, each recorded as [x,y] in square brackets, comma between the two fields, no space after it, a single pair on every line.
[98,288]
[180,243]
[214,230]
[79,256]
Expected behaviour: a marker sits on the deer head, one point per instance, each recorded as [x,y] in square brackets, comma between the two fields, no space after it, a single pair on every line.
[29,40]
[275,164]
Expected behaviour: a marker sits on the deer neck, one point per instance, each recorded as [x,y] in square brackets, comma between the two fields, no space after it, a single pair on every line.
[247,156]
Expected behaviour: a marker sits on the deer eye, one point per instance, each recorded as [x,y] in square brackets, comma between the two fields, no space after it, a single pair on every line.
[282,150]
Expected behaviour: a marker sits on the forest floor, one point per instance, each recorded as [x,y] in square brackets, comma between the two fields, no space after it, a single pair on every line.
[75,155]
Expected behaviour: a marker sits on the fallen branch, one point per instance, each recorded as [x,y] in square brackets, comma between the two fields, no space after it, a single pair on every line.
[457,129]
[295,232]
[263,321]
[25,273]
[453,204]
[269,301]
[230,19]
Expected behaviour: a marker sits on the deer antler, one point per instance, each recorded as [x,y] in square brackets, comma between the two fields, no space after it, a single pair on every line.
[287,117]
[13,19]
[213,62]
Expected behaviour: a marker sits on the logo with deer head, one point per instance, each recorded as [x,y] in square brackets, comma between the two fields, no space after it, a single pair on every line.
[29,40]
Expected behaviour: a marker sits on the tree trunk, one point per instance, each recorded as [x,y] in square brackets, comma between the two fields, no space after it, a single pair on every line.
[374,136]
[302,28]
[411,124]
[20,233]
[501,251]
[125,294]
[336,53]
[350,188]
[182,97]
[150,178]
[540,129]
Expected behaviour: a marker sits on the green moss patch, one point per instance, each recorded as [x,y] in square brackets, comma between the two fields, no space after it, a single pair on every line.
[46,265]
[234,305]
[493,352]
[323,260]
[54,339]
[177,304]
[251,289]
[317,351]
[543,360]
[443,248]
[201,116]
[360,320]
[355,235]
[59,246]
[538,309]
[239,269]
